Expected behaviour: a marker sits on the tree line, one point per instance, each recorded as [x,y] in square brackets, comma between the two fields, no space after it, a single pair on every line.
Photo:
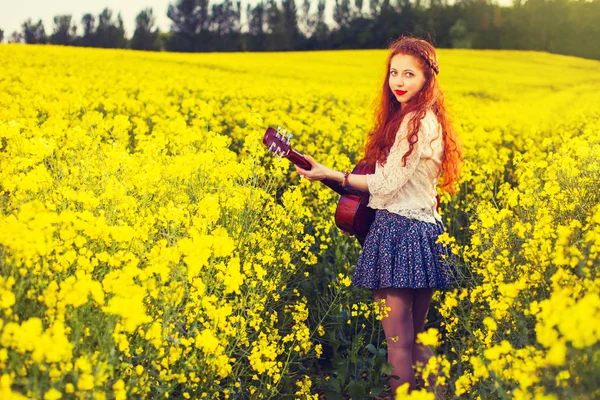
[560,26]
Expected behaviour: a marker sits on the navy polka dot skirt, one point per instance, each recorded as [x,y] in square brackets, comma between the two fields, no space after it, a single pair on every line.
[401,252]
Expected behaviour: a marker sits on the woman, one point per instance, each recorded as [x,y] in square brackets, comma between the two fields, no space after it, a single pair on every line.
[412,145]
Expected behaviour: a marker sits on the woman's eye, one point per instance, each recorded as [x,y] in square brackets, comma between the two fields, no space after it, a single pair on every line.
[409,74]
[393,73]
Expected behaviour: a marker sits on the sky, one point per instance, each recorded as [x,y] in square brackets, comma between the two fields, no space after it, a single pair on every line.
[14,12]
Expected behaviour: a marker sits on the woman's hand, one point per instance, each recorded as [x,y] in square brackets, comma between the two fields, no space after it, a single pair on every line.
[317,173]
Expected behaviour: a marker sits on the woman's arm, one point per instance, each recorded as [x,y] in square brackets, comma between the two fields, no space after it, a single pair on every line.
[320,172]
[388,177]
[356,181]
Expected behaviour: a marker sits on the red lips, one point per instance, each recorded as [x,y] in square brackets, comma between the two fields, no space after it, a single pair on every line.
[399,92]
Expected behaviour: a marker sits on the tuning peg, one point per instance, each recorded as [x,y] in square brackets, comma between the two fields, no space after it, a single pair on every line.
[289,136]
[277,134]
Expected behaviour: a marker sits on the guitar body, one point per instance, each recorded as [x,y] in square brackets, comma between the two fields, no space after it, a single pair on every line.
[352,214]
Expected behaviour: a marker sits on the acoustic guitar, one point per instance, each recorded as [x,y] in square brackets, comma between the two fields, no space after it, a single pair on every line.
[352,214]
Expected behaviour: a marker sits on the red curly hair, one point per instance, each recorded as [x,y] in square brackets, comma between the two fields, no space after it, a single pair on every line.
[389,114]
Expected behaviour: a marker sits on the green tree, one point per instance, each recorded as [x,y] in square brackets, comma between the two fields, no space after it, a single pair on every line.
[313,26]
[276,28]
[460,35]
[110,34]
[15,37]
[306,22]
[34,33]
[257,27]
[322,29]
[190,25]
[342,14]
[225,26]
[89,30]
[145,37]
[292,36]
[357,10]
[585,27]
[64,32]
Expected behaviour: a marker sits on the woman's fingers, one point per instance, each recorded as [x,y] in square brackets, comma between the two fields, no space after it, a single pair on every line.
[314,173]
[303,173]
[300,170]
[310,160]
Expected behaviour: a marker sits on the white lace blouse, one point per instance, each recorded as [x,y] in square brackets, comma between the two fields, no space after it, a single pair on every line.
[411,190]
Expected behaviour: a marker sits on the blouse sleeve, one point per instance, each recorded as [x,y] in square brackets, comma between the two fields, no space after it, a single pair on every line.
[392,175]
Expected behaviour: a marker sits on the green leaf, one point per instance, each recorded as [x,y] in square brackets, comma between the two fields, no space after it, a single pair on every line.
[372,349]
[356,389]
[342,370]
[386,368]
[333,395]
[334,385]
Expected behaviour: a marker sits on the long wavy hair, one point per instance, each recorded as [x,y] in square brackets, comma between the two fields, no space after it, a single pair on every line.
[389,114]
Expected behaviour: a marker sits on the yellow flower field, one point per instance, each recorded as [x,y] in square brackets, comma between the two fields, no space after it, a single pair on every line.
[150,248]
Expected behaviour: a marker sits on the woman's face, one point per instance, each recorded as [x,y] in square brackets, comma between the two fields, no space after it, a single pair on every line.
[406,78]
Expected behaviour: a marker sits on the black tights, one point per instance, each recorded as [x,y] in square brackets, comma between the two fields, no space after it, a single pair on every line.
[405,319]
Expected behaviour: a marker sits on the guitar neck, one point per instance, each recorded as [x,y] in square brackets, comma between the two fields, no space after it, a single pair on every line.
[337,187]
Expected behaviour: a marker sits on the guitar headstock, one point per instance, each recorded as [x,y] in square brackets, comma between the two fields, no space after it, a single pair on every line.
[278,141]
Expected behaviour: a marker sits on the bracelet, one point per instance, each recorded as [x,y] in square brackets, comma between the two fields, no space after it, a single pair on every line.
[345,182]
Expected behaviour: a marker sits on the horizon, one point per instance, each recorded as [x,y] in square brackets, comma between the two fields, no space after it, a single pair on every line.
[13,17]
